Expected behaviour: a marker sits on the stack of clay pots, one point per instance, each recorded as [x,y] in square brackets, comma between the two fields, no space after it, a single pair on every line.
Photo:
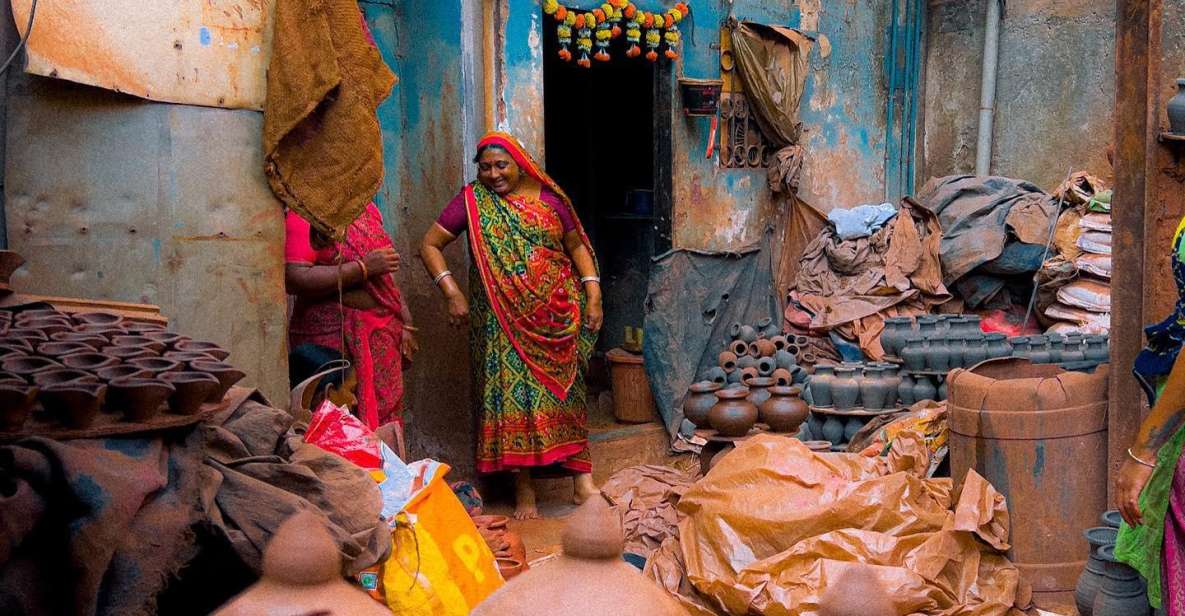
[1067,349]
[941,343]
[68,368]
[1108,587]
[848,395]
[757,351]
[735,410]
[510,553]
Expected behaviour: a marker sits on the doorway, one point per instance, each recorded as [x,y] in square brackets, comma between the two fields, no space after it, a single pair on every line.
[600,139]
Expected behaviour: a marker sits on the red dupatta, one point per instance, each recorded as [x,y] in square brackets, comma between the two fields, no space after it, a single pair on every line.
[517,243]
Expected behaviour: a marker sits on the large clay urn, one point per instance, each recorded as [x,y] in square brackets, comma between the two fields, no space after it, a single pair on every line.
[588,579]
[784,411]
[734,414]
[701,397]
[302,575]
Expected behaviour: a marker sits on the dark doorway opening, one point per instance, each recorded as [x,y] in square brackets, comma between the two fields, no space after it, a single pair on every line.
[602,145]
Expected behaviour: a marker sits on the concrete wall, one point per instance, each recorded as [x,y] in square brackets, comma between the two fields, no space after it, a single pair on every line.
[1055,93]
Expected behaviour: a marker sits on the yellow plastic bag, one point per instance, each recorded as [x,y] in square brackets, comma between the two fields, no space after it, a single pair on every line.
[440,565]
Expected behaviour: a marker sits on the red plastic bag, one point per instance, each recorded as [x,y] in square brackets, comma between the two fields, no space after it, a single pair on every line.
[335,430]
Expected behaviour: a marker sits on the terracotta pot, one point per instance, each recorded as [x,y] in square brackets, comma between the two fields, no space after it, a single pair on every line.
[57,350]
[845,390]
[26,367]
[226,374]
[766,366]
[60,376]
[740,348]
[139,399]
[192,390]
[820,384]
[782,377]
[509,567]
[759,390]
[94,341]
[17,400]
[98,318]
[734,414]
[156,365]
[780,342]
[764,348]
[727,360]
[784,411]
[716,374]
[122,371]
[748,374]
[127,353]
[701,397]
[74,404]
[1121,591]
[89,361]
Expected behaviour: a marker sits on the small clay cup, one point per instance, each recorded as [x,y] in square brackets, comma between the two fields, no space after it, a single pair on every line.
[122,371]
[75,405]
[727,360]
[139,342]
[749,373]
[139,399]
[61,376]
[192,389]
[155,365]
[226,374]
[783,377]
[199,346]
[94,341]
[26,367]
[89,361]
[98,318]
[55,350]
[740,348]
[780,342]
[17,399]
[127,353]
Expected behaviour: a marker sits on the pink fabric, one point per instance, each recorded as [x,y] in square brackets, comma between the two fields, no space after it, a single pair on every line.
[455,220]
[1173,573]
[298,248]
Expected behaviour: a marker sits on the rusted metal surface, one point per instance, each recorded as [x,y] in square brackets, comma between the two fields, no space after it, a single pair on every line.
[201,52]
[110,197]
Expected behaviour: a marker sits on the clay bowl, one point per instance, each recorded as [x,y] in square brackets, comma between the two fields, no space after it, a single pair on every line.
[128,353]
[26,367]
[192,389]
[169,339]
[94,341]
[56,350]
[155,365]
[98,318]
[209,348]
[74,404]
[226,374]
[61,376]
[509,567]
[188,357]
[139,399]
[143,328]
[122,371]
[17,399]
[90,361]
[139,342]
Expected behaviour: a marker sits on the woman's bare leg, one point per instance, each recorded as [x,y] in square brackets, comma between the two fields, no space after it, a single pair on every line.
[583,488]
[524,496]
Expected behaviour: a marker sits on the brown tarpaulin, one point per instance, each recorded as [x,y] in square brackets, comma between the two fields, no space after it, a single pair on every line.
[772,525]
[772,63]
[321,139]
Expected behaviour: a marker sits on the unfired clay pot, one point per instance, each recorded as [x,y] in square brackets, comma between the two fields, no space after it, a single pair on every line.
[701,397]
[820,384]
[734,414]
[727,360]
[784,411]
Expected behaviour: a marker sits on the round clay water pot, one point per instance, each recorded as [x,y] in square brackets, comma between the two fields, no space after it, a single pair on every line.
[17,400]
[155,365]
[74,404]
[701,397]
[749,373]
[748,334]
[740,348]
[845,390]
[122,371]
[127,353]
[94,341]
[767,328]
[89,361]
[716,374]
[746,361]
[784,411]
[98,318]
[727,360]
[784,360]
[734,331]
[734,377]
[780,342]
[1121,591]
[820,383]
[192,390]
[733,414]
[814,424]
[759,390]
[139,399]
[57,350]
[782,377]
[26,367]
[764,347]
[766,366]
[61,376]
[226,374]
[851,427]
[139,342]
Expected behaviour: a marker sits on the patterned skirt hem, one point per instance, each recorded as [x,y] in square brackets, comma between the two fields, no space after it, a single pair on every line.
[563,455]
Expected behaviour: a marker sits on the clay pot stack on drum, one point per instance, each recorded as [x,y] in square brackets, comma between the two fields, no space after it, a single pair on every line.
[69,370]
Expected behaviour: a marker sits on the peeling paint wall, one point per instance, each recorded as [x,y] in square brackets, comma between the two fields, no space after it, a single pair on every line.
[1054,97]
[843,112]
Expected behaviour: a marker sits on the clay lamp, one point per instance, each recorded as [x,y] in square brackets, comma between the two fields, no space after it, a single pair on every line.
[62,349]
[89,361]
[169,339]
[139,342]
[26,367]
[40,313]
[188,357]
[17,400]
[74,404]
[47,326]
[94,341]
[302,575]
[139,399]
[59,376]
[16,344]
[589,578]
[34,335]
[155,365]
[98,318]
[226,374]
[192,389]
[143,328]
[122,371]
[128,353]
[105,331]
[209,348]
[10,353]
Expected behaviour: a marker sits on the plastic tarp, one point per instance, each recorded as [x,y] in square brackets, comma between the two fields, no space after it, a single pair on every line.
[692,299]
[772,526]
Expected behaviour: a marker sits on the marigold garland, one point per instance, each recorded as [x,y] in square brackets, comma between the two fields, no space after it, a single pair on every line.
[603,24]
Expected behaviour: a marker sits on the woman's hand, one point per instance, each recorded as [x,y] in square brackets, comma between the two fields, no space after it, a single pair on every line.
[408,345]
[382,261]
[594,315]
[458,310]
[1133,476]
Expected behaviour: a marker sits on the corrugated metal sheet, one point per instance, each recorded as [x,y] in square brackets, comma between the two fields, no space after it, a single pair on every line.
[200,52]
[114,198]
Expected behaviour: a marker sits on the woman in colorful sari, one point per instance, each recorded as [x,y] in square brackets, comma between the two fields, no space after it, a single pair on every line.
[371,325]
[534,313]
[1151,484]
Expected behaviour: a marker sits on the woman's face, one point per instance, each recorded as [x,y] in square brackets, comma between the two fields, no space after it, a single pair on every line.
[344,395]
[497,170]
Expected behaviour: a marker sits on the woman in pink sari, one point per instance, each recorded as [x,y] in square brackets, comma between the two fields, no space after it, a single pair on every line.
[371,325]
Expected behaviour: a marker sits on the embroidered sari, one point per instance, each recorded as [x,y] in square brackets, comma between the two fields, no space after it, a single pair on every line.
[529,347]
[372,337]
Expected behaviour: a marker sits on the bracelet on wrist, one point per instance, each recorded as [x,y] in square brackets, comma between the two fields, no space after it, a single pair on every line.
[365,273]
[588,279]
[441,276]
[1137,459]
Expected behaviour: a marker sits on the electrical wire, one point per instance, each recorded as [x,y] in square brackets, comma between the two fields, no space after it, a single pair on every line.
[24,39]
[1057,214]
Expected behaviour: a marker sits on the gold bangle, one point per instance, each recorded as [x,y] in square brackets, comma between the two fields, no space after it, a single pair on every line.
[1138,460]
[361,264]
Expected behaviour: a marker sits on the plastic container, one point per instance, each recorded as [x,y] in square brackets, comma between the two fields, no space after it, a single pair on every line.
[632,400]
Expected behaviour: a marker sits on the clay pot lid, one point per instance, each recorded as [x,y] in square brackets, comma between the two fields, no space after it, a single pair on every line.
[97,318]
[88,360]
[60,376]
[302,553]
[704,387]
[28,365]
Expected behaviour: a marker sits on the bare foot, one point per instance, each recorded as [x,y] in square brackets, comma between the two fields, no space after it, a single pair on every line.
[583,488]
[524,497]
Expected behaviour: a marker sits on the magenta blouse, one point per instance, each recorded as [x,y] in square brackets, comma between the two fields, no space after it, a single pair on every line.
[455,221]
